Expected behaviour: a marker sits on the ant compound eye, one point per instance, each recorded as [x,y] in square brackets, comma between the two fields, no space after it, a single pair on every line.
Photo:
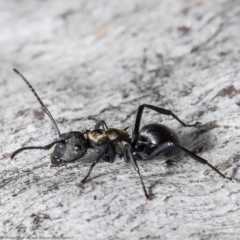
[77,147]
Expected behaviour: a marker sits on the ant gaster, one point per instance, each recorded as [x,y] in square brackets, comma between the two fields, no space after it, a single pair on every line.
[146,143]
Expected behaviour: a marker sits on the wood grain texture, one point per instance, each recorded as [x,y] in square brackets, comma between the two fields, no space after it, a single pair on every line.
[93,60]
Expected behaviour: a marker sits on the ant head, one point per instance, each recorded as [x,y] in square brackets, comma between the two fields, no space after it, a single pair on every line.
[70,147]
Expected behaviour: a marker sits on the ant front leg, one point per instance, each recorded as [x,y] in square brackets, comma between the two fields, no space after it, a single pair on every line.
[108,153]
[138,118]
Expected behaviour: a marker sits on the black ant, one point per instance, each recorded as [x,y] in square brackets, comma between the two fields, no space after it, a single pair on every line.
[149,142]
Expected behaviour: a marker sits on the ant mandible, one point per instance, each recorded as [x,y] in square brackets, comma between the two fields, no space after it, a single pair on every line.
[145,144]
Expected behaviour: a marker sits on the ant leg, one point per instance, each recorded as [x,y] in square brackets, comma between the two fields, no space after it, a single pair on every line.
[110,153]
[34,147]
[111,156]
[128,155]
[161,148]
[137,156]
[201,160]
[102,124]
[138,117]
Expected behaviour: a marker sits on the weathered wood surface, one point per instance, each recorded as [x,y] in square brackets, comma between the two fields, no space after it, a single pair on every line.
[91,60]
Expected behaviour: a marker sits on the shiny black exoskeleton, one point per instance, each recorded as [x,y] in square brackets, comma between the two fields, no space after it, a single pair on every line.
[153,135]
[145,143]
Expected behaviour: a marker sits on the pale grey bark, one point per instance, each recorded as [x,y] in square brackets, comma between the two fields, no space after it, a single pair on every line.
[92,60]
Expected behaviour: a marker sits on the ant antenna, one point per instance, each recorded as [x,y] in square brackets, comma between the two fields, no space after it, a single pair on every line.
[39,100]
